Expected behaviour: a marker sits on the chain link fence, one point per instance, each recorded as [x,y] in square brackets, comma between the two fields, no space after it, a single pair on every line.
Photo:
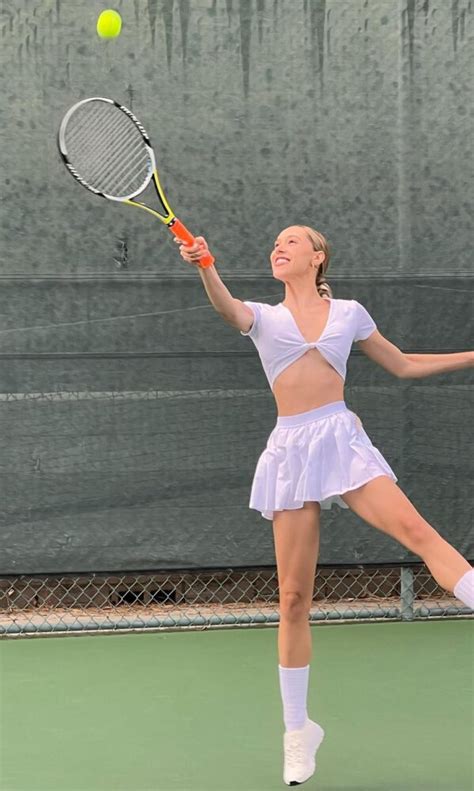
[52,604]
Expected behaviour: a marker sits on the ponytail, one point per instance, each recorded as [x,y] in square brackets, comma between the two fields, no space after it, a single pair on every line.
[320,244]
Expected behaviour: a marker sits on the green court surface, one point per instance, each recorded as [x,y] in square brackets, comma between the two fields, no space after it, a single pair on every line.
[197,711]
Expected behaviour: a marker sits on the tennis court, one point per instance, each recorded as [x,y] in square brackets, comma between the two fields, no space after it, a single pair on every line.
[192,711]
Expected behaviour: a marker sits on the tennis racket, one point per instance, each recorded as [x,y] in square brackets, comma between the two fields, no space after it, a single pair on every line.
[107,150]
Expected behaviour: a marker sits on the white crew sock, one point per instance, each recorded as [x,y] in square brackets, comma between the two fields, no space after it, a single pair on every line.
[464,589]
[294,693]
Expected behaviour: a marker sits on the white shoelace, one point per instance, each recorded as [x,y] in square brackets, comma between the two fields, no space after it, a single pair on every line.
[295,753]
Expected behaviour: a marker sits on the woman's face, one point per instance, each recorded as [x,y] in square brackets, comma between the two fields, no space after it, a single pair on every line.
[292,253]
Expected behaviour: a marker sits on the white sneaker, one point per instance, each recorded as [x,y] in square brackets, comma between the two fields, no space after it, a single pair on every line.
[300,752]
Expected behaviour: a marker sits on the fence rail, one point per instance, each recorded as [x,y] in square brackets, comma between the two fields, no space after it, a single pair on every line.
[52,604]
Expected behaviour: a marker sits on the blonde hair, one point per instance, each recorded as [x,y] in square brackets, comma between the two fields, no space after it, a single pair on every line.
[320,243]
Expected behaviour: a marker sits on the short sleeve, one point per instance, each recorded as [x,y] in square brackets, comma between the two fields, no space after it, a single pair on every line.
[256,309]
[364,323]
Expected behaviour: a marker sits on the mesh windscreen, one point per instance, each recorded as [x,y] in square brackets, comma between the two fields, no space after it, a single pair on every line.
[106,149]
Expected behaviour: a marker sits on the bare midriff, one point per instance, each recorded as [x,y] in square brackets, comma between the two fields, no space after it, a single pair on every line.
[310,382]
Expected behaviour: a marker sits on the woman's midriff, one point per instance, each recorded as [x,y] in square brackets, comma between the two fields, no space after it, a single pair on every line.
[308,383]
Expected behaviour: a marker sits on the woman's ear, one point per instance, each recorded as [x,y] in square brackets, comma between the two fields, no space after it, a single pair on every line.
[319,256]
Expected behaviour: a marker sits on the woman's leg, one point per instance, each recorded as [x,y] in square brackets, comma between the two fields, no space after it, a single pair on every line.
[296,536]
[382,504]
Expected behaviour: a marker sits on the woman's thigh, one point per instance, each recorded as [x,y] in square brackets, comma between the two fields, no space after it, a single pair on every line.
[296,537]
[382,504]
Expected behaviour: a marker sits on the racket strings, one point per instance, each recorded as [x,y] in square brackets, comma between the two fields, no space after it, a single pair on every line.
[118,139]
[106,147]
[113,165]
[107,150]
[89,137]
[136,162]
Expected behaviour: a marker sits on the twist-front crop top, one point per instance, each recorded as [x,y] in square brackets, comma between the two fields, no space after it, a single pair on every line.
[280,343]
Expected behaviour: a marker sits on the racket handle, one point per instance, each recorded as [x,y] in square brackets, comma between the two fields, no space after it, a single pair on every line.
[182,233]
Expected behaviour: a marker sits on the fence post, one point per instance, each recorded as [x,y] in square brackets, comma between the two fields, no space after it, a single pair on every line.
[407,594]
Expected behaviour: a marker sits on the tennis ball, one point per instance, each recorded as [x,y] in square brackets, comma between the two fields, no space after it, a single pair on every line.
[109,24]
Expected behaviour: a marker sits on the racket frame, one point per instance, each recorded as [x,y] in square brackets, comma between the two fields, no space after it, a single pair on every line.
[170,219]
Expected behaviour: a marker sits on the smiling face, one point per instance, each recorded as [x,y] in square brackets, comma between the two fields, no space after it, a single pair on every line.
[293,255]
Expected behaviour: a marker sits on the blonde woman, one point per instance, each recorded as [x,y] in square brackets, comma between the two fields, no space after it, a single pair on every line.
[318,452]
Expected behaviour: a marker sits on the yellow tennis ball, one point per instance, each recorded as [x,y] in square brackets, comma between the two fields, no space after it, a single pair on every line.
[109,24]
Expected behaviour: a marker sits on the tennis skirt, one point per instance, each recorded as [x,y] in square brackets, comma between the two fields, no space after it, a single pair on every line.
[316,455]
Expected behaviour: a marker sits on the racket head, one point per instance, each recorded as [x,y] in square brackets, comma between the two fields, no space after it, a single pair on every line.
[106,148]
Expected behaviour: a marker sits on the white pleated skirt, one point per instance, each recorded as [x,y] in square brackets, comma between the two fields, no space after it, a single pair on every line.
[316,455]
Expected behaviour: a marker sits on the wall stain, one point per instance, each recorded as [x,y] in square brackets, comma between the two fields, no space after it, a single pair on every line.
[68,66]
[245,15]
[166,8]
[130,91]
[137,11]
[152,14]
[185,14]
[260,18]
[455,22]
[410,16]
[317,32]
[5,12]
[121,258]
[328,33]
[34,28]
[463,22]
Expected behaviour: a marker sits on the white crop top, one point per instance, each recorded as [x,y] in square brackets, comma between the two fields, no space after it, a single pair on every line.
[279,341]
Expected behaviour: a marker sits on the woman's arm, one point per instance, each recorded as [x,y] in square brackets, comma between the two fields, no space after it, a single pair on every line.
[412,366]
[219,295]
[421,365]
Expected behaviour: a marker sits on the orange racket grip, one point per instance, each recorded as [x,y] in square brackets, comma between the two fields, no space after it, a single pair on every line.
[185,236]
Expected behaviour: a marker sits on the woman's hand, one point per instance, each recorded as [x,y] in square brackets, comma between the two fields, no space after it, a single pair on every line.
[192,254]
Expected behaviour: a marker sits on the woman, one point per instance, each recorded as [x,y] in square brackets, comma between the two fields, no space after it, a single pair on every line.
[319,454]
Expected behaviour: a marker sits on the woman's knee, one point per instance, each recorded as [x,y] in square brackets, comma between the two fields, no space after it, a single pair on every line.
[294,605]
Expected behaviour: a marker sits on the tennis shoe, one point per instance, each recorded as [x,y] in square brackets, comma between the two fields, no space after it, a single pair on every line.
[300,748]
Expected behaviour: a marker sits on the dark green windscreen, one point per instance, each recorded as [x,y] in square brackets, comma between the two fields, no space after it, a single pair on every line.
[132,416]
